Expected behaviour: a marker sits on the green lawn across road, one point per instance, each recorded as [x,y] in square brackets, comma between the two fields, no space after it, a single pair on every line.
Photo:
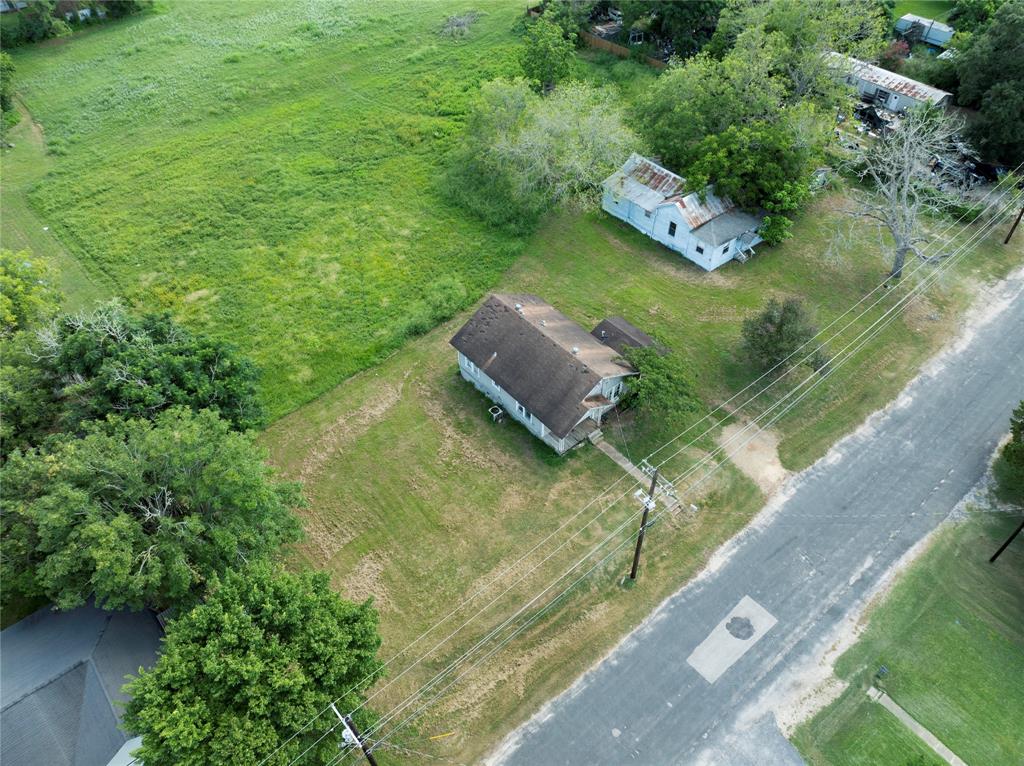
[951,634]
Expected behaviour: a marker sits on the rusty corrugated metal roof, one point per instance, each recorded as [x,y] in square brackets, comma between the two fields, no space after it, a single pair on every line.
[890,81]
[649,185]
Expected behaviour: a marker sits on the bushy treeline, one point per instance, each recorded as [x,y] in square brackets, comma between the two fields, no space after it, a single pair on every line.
[41,19]
[750,114]
[985,73]
[131,479]
[524,153]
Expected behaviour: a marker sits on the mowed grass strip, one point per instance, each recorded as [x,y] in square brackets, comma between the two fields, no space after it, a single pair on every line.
[270,173]
[951,634]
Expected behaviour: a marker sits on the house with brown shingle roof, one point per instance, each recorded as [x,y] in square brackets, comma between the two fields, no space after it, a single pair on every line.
[709,231]
[543,369]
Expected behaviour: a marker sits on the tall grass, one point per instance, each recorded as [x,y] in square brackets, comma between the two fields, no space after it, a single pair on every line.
[270,172]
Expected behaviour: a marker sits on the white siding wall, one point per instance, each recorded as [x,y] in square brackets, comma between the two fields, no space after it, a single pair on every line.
[657,226]
[499,396]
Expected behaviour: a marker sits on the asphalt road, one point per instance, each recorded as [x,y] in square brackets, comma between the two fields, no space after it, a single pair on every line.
[806,565]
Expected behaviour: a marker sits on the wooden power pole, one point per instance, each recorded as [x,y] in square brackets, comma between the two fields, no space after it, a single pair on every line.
[1014,227]
[648,505]
[1009,540]
[351,735]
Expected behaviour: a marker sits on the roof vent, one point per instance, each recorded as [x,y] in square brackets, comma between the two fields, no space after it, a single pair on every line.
[544,323]
[604,334]
[519,307]
[575,350]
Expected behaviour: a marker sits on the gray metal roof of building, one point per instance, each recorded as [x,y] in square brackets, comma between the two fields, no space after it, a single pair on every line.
[61,675]
[907,20]
[543,359]
[726,227]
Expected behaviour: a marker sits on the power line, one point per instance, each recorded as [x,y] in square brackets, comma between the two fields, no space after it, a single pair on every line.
[870,333]
[919,265]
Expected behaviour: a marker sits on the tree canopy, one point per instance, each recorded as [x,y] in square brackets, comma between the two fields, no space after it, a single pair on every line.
[521,154]
[1009,466]
[688,25]
[547,53]
[992,81]
[777,332]
[263,654]
[110,361]
[27,293]
[139,513]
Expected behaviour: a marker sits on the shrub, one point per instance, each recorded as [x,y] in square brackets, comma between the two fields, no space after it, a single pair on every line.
[777,332]
[1009,466]
[665,390]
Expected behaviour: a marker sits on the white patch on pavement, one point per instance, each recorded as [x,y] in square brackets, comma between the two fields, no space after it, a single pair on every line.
[739,630]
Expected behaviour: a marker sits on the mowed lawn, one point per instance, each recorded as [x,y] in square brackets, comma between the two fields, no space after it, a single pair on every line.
[418,499]
[930,9]
[269,172]
[951,633]
[593,266]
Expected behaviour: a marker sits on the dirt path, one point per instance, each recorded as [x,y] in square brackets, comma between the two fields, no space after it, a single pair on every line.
[758,457]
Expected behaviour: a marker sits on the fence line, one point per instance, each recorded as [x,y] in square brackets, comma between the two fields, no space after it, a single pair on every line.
[619,50]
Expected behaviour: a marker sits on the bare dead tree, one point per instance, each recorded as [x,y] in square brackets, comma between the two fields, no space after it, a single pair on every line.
[897,166]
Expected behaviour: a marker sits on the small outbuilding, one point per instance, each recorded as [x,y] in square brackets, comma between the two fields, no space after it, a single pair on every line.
[918,29]
[543,369]
[884,88]
[710,231]
[62,676]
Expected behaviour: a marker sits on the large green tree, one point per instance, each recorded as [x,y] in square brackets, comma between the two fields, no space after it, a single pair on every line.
[259,658]
[761,165]
[689,25]
[992,81]
[139,513]
[109,361]
[522,154]
[972,15]
[547,53]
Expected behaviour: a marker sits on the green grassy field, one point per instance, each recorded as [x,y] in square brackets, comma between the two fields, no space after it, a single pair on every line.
[930,9]
[268,172]
[951,633]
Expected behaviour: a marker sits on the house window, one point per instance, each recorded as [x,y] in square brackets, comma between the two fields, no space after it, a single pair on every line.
[672,228]
[700,250]
[470,366]
[725,249]
[647,214]
[527,415]
[616,391]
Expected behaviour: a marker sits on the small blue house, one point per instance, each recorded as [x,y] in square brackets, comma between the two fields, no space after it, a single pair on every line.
[708,232]
[543,369]
[918,29]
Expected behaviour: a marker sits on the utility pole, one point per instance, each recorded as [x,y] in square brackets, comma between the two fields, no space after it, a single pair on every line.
[648,505]
[1009,540]
[351,735]
[1014,227]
